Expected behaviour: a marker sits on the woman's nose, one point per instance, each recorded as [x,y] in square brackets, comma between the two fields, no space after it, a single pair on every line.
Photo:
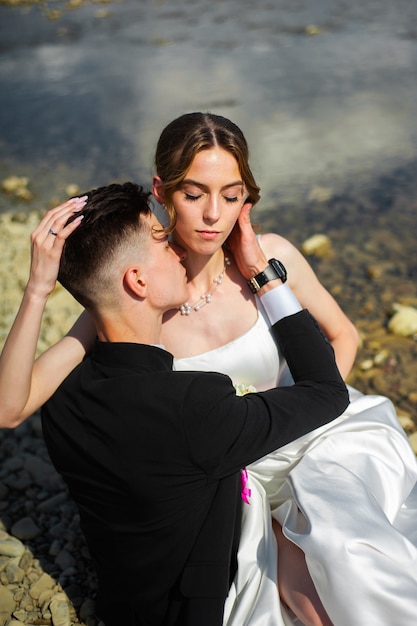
[211,210]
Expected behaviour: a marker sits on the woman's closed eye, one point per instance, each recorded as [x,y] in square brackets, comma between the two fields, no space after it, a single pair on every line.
[191,197]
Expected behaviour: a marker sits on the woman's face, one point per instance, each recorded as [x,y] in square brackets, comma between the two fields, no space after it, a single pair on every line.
[208,201]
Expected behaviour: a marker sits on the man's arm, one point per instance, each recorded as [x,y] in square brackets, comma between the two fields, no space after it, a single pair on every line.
[308,352]
[228,432]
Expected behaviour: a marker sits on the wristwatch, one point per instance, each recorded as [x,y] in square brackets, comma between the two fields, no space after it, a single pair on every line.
[274,270]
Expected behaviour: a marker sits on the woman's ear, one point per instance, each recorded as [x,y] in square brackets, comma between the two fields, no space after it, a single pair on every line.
[158,189]
[134,281]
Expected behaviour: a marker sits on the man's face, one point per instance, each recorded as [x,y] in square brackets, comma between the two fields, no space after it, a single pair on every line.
[166,277]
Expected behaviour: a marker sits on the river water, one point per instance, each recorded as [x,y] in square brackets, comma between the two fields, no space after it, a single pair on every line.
[325,91]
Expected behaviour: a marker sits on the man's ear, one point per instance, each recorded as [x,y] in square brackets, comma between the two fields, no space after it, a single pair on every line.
[135,282]
[158,189]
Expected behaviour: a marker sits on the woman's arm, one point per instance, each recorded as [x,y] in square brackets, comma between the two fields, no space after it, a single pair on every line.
[313,296]
[24,387]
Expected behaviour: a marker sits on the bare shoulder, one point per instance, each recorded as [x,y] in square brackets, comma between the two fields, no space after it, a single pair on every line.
[301,276]
[275,245]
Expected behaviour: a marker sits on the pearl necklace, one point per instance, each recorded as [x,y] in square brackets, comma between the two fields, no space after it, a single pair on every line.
[205,298]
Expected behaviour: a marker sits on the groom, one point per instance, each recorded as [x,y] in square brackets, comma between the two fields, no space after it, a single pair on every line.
[153,457]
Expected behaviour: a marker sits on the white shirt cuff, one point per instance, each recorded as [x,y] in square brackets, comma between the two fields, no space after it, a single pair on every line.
[280,302]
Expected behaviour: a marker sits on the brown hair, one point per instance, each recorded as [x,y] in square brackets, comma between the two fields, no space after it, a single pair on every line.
[189,134]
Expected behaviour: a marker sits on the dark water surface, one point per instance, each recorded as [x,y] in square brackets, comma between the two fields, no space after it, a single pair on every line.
[325,91]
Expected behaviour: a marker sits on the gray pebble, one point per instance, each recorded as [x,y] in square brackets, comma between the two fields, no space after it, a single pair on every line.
[25,528]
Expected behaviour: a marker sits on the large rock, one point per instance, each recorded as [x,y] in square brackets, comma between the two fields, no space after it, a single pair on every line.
[318,245]
[404,320]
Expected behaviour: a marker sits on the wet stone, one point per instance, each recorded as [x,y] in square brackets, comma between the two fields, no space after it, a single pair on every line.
[45,598]
[52,503]
[55,548]
[14,572]
[25,528]
[21,617]
[18,595]
[26,560]
[19,483]
[11,547]
[404,320]
[13,464]
[87,608]
[60,611]
[318,245]
[26,603]
[7,605]
[41,472]
[43,583]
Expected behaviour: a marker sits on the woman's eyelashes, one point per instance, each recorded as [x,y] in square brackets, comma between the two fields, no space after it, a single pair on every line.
[193,198]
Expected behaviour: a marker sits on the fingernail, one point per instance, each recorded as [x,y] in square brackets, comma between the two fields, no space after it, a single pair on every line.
[80,203]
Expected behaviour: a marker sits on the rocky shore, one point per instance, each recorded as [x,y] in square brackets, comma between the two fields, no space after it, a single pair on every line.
[45,571]
[46,574]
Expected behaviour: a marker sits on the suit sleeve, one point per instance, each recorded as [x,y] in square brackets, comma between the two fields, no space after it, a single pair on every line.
[226,432]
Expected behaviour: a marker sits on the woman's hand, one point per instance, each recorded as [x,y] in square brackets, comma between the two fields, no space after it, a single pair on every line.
[245,247]
[47,242]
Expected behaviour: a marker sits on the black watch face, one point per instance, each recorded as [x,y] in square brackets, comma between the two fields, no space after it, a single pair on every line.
[279,268]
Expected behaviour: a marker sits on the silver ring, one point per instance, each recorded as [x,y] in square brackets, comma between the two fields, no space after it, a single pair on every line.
[52,232]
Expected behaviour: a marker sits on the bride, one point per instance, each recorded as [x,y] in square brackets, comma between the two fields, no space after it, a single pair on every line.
[331,518]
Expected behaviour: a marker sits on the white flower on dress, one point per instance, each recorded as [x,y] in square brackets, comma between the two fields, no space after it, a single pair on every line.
[242,389]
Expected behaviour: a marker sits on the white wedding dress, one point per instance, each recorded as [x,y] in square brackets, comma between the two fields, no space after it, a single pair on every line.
[345,494]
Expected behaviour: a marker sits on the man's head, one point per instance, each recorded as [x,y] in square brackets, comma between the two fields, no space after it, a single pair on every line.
[117,250]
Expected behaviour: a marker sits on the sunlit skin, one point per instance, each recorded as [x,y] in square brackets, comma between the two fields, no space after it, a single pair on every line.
[209,202]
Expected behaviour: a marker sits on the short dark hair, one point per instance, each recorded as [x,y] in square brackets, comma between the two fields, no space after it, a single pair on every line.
[111,227]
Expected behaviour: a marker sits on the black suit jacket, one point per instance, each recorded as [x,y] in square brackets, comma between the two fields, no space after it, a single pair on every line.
[152,457]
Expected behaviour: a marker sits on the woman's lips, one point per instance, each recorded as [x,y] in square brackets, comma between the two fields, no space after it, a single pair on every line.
[208,234]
